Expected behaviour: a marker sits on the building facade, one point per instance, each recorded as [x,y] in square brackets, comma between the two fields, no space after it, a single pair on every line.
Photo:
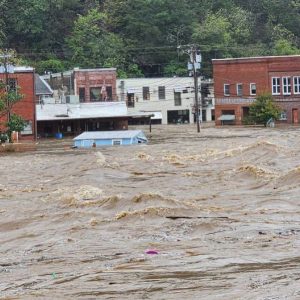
[23,79]
[238,81]
[83,85]
[170,100]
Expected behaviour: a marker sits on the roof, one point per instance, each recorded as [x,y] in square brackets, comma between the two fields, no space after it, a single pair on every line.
[41,86]
[66,111]
[18,69]
[101,135]
[227,118]
[89,110]
[70,72]
[253,59]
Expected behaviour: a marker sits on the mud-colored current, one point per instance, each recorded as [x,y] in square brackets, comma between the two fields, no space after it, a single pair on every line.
[221,210]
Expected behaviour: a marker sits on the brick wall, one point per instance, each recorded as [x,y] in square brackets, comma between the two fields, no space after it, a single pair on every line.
[26,107]
[95,78]
[254,70]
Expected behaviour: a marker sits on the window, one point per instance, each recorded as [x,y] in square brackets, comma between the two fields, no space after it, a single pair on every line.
[82,94]
[28,128]
[95,94]
[161,93]
[297,85]
[12,83]
[117,142]
[286,84]
[177,98]
[252,89]
[276,86]
[239,89]
[109,93]
[146,93]
[226,89]
[130,99]
[283,116]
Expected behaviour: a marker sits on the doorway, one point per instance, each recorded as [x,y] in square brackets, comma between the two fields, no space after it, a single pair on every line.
[295,116]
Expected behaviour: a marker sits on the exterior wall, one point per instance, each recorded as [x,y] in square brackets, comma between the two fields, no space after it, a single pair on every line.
[184,85]
[254,70]
[100,143]
[68,83]
[95,78]
[26,107]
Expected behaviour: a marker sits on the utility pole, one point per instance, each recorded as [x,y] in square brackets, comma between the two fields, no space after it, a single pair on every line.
[195,75]
[193,66]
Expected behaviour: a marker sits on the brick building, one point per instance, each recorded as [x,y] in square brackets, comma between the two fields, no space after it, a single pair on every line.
[83,85]
[23,77]
[238,81]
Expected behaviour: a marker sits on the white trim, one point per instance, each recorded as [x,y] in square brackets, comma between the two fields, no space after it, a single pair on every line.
[298,85]
[116,140]
[226,84]
[286,86]
[253,83]
[237,89]
[277,86]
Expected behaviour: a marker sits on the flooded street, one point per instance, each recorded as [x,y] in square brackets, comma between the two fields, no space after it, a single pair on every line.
[220,209]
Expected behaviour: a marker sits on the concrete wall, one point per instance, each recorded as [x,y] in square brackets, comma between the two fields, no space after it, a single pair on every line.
[154,104]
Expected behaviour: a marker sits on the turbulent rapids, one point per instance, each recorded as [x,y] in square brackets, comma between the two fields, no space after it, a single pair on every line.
[218,210]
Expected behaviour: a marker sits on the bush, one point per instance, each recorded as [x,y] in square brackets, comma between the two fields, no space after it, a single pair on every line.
[3,138]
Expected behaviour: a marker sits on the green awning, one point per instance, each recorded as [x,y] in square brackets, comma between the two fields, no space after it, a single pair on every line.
[227,118]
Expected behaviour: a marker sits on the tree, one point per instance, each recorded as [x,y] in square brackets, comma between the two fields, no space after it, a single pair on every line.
[8,98]
[264,109]
[15,123]
[92,45]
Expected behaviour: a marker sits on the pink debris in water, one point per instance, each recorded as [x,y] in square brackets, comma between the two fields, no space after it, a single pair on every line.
[151,251]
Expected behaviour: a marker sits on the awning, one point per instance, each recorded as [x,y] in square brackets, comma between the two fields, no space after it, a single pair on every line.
[156,115]
[227,118]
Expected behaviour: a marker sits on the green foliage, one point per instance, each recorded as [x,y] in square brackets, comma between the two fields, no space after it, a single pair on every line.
[263,109]
[52,65]
[16,123]
[60,34]
[92,45]
[175,69]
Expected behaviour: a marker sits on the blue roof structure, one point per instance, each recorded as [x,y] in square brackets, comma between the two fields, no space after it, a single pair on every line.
[90,139]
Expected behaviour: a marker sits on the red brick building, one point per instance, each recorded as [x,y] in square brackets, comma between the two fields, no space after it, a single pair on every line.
[238,81]
[88,85]
[23,77]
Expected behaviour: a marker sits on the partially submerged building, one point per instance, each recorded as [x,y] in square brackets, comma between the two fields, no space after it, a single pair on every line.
[238,81]
[83,100]
[22,78]
[109,138]
[170,100]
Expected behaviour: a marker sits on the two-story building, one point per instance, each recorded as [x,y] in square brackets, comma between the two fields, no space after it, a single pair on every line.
[23,79]
[82,100]
[170,100]
[238,81]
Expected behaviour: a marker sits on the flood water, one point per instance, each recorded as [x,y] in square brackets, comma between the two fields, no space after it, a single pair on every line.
[220,209]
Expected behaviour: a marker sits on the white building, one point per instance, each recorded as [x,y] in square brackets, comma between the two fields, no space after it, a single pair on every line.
[171,100]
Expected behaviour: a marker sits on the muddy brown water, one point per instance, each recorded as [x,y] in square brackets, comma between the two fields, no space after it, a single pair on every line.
[221,208]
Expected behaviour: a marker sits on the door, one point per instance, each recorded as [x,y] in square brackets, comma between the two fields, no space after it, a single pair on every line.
[295,116]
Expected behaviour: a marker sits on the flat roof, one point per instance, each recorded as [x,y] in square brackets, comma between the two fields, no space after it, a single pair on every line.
[254,58]
[69,72]
[104,135]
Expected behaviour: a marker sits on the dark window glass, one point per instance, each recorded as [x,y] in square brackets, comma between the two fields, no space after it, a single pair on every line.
[95,94]
[161,93]
[146,93]
[177,98]
[82,94]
